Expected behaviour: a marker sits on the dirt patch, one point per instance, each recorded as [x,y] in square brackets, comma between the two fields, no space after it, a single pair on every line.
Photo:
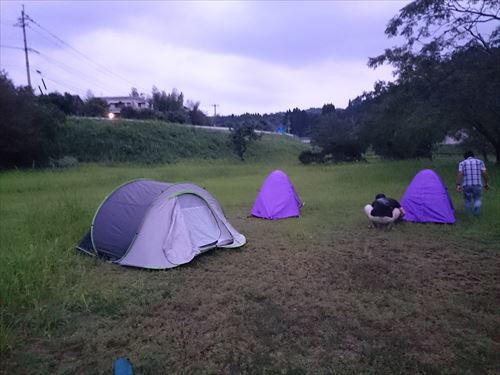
[285,303]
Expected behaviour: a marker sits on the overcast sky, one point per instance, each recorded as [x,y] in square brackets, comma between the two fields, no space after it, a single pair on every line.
[245,56]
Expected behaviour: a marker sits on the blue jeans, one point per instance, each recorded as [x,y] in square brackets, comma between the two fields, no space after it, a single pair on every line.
[472,196]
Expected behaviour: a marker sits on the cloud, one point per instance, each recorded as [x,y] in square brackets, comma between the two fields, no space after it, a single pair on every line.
[295,32]
[245,56]
[237,83]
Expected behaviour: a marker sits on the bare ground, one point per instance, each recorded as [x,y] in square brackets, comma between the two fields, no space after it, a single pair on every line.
[364,302]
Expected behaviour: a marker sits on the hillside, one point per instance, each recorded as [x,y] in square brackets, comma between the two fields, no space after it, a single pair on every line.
[148,142]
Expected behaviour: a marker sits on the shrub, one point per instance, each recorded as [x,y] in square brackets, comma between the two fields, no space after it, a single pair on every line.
[178,116]
[308,157]
[64,162]
[143,114]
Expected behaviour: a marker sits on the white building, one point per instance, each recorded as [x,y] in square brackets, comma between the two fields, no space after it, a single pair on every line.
[116,103]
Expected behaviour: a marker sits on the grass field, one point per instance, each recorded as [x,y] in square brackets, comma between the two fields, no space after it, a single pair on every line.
[319,294]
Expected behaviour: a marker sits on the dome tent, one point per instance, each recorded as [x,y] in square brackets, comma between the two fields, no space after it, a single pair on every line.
[152,224]
[426,200]
[277,198]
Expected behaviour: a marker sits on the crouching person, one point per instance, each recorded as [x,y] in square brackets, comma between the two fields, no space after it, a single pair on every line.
[383,211]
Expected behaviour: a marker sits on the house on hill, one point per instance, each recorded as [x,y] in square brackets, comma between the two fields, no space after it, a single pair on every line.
[116,103]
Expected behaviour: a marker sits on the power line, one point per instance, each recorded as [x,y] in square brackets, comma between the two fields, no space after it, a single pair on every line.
[9,65]
[74,55]
[73,71]
[11,47]
[10,68]
[102,67]
[63,84]
[62,66]
[4,21]
[66,47]
[50,40]
[21,48]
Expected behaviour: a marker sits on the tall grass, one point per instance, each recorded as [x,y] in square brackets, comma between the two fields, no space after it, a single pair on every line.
[43,215]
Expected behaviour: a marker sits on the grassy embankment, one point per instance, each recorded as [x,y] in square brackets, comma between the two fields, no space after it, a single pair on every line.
[153,142]
[322,293]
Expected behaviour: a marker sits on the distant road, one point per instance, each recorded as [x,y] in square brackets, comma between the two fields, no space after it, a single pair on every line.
[215,128]
[224,129]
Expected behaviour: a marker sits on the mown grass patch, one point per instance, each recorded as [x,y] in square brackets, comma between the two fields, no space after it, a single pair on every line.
[317,294]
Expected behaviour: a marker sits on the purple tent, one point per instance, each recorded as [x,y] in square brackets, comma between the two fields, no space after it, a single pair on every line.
[426,200]
[277,198]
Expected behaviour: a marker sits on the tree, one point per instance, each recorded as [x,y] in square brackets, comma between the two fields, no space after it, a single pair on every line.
[28,130]
[67,103]
[300,123]
[169,107]
[472,141]
[402,121]
[163,102]
[338,138]
[134,93]
[95,107]
[436,29]
[196,116]
[469,87]
[241,136]
[439,35]
[327,108]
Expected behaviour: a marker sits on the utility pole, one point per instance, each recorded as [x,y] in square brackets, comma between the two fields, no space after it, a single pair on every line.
[215,111]
[22,23]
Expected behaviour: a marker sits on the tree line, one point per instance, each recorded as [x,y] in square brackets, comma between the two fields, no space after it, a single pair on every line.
[448,78]
[447,82]
[162,106]
[32,126]
[168,107]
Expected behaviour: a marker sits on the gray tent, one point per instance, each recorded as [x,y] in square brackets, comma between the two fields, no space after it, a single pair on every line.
[151,224]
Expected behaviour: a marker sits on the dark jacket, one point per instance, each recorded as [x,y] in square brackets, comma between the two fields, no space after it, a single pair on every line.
[384,206]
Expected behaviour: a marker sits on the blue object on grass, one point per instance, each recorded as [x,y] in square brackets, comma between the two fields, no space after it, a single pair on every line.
[123,367]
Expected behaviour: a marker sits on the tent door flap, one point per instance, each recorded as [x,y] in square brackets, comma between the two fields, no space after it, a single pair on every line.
[200,221]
